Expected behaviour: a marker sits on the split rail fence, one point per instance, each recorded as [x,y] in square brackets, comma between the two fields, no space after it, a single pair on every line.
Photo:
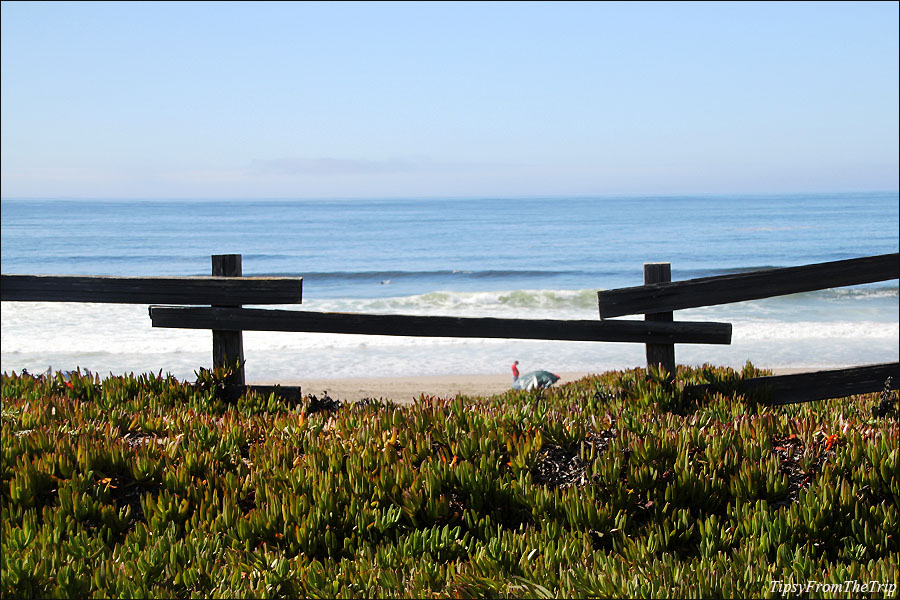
[226,291]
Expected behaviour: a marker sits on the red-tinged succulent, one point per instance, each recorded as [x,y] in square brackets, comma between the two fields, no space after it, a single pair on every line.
[614,485]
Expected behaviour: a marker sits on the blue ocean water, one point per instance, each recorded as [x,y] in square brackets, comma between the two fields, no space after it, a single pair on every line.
[515,257]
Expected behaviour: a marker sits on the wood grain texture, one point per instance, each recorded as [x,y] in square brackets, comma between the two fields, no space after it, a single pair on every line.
[660,354]
[151,290]
[406,325]
[740,287]
[228,345]
[815,385]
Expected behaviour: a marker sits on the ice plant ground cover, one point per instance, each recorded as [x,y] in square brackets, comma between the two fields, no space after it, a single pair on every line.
[617,485]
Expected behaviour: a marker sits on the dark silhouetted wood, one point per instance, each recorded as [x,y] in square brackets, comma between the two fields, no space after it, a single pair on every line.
[739,287]
[230,392]
[286,392]
[228,344]
[151,290]
[662,355]
[227,291]
[815,385]
[408,325]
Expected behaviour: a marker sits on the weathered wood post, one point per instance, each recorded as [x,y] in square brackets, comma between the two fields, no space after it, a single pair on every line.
[228,346]
[660,354]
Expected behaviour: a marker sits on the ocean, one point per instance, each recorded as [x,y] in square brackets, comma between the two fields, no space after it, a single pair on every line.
[541,258]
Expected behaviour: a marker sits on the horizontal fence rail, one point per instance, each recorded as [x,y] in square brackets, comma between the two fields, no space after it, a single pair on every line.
[238,319]
[152,290]
[816,385]
[224,294]
[740,287]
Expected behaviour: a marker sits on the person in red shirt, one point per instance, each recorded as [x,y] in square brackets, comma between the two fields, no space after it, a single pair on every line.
[515,370]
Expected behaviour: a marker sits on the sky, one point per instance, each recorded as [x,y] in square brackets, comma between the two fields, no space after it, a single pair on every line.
[407,99]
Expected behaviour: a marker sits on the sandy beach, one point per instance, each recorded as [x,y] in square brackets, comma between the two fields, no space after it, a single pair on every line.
[407,389]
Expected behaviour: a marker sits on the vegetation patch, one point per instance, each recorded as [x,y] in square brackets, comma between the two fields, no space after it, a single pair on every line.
[617,485]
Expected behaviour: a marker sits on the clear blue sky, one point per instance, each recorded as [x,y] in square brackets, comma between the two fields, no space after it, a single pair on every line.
[447,99]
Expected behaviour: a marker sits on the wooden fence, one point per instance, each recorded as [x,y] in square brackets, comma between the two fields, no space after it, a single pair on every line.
[659,297]
[224,288]
[226,291]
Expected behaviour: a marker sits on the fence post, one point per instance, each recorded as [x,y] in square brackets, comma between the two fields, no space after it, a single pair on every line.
[660,354]
[228,346]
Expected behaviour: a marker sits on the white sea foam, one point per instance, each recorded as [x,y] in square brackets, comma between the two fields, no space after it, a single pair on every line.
[570,302]
[120,339]
[468,246]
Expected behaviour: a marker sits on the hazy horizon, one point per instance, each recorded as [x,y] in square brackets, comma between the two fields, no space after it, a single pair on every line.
[425,198]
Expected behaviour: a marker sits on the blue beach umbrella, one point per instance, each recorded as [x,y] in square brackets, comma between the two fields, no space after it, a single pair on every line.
[535,379]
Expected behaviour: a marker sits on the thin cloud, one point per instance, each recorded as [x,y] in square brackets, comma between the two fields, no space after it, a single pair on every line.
[333,166]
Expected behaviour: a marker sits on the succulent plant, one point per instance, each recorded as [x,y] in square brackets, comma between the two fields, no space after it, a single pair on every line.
[614,485]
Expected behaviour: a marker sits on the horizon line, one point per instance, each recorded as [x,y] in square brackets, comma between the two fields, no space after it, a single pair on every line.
[456,197]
